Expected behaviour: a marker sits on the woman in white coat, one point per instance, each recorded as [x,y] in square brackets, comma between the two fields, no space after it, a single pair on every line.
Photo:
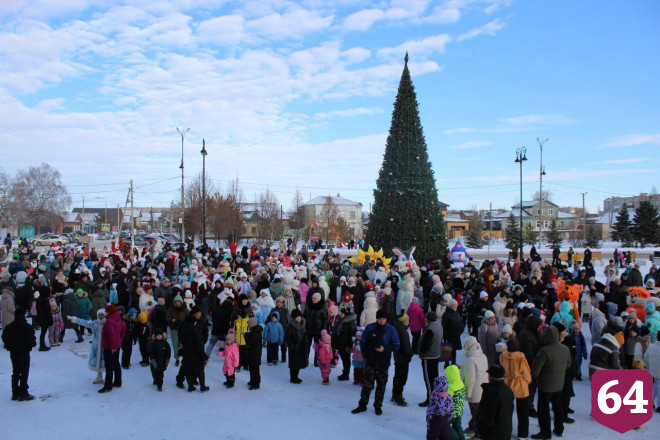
[474,373]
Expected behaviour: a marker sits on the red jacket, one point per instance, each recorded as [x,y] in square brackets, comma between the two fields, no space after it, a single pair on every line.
[114,332]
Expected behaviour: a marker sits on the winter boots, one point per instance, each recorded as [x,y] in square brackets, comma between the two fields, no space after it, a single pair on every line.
[399,400]
[326,381]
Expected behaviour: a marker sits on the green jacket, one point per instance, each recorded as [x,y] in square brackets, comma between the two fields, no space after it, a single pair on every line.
[551,362]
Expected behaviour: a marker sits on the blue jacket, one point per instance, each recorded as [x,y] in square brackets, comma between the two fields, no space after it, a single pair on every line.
[375,336]
[274,333]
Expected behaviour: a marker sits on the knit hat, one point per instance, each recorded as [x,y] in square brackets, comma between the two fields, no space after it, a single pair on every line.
[316,297]
[446,297]
[195,309]
[513,345]
[431,316]
[111,309]
[325,337]
[343,310]
[100,311]
[80,292]
[560,327]
[296,313]
[452,302]
[230,336]
[132,312]
[252,322]
[380,314]
[177,298]
[644,330]
[496,371]
[489,314]
[404,318]
[483,294]
[507,330]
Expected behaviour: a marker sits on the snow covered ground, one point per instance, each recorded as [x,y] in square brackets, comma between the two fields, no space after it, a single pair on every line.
[69,407]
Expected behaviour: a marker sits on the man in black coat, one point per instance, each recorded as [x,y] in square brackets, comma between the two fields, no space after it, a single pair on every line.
[402,358]
[496,407]
[253,340]
[452,328]
[529,346]
[19,339]
[342,340]
[296,341]
[194,357]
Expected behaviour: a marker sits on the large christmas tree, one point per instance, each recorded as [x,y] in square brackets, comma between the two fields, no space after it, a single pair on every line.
[406,211]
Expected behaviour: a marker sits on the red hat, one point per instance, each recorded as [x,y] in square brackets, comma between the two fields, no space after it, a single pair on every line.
[347,297]
[146,287]
[111,309]
[370,286]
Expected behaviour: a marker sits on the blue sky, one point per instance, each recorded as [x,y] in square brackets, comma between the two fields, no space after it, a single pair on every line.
[299,94]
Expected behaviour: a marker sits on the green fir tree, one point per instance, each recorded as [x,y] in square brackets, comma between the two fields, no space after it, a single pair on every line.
[623,228]
[646,223]
[554,236]
[406,211]
[592,240]
[530,236]
[475,238]
[512,233]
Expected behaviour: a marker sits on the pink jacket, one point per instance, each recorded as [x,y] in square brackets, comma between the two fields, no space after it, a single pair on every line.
[416,315]
[302,290]
[114,332]
[231,359]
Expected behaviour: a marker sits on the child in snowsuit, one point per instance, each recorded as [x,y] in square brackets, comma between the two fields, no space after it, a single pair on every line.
[440,410]
[159,357]
[143,334]
[253,340]
[581,350]
[324,351]
[55,329]
[358,359]
[230,354]
[240,329]
[458,395]
[274,337]
[130,339]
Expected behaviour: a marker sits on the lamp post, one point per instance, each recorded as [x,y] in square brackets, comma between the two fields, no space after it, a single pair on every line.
[541,174]
[204,153]
[521,156]
[182,133]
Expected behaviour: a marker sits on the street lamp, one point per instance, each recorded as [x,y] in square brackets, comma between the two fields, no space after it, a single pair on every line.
[521,156]
[204,153]
[183,202]
[541,174]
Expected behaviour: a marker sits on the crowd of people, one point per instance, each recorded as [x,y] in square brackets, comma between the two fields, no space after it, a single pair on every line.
[518,323]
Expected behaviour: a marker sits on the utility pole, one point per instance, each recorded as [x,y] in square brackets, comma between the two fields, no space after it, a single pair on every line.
[541,174]
[584,219]
[131,220]
[183,202]
[521,156]
[204,153]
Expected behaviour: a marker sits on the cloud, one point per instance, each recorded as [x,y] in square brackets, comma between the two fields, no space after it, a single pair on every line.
[621,161]
[472,144]
[418,48]
[291,24]
[364,19]
[489,28]
[630,140]
[225,30]
[517,124]
[347,113]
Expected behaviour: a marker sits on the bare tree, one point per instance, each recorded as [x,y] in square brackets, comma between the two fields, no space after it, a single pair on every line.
[297,215]
[36,195]
[327,219]
[547,196]
[194,199]
[4,200]
[268,209]
[343,229]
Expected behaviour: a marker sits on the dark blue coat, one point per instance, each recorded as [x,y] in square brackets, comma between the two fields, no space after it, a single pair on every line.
[374,336]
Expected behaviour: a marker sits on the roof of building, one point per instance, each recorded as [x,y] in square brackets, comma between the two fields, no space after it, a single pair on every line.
[531,203]
[561,214]
[605,218]
[70,217]
[337,200]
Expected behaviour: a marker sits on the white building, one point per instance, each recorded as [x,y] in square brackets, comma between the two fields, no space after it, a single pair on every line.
[349,210]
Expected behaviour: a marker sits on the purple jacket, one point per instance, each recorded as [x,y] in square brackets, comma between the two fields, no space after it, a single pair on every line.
[114,332]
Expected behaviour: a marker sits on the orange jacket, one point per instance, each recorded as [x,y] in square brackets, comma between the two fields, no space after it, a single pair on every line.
[517,374]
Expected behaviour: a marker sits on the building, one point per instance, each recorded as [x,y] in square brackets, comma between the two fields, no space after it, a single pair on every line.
[616,203]
[604,222]
[348,210]
[540,219]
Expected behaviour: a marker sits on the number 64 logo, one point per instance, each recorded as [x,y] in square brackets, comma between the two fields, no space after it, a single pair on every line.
[621,399]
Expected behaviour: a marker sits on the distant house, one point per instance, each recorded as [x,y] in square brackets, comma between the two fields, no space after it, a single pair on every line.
[349,210]
[88,217]
[616,203]
[603,223]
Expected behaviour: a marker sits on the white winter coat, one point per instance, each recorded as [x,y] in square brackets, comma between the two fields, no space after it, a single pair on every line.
[652,359]
[369,313]
[474,370]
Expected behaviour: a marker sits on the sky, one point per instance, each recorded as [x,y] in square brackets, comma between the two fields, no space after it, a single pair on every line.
[298,95]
